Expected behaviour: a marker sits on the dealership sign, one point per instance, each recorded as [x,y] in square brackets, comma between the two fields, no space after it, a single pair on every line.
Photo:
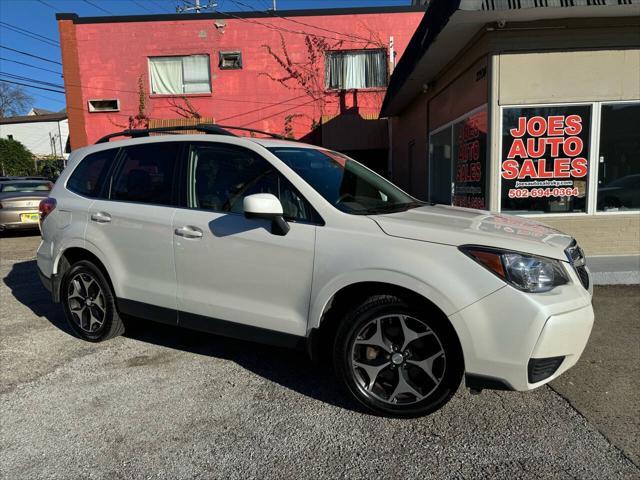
[545,153]
[469,150]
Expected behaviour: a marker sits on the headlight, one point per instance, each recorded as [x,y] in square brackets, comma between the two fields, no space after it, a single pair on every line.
[529,273]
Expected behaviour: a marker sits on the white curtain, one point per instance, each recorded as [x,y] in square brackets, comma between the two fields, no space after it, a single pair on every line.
[354,67]
[195,71]
[166,75]
[360,69]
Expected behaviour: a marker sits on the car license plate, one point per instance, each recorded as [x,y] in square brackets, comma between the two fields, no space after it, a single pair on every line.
[29,217]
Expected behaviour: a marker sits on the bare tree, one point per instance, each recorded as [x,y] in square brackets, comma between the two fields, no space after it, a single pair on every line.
[14,100]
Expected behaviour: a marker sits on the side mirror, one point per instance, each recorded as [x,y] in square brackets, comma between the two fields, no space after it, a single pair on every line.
[266,206]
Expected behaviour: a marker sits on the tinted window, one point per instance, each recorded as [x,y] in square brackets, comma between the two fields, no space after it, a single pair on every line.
[619,159]
[221,176]
[88,177]
[146,174]
[345,183]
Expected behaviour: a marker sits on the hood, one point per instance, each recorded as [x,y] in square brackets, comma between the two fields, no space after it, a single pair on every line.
[461,226]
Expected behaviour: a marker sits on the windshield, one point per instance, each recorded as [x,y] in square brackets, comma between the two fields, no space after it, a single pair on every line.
[345,183]
[25,187]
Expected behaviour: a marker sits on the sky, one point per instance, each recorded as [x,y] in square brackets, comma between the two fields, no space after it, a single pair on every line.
[30,27]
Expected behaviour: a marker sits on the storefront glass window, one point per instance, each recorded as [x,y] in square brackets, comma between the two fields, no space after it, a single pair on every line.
[457,162]
[440,166]
[469,160]
[545,153]
[619,158]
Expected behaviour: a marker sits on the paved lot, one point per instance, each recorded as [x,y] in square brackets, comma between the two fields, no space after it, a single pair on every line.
[166,403]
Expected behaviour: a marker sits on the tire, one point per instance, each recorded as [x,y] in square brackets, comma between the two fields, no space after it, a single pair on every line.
[412,369]
[89,303]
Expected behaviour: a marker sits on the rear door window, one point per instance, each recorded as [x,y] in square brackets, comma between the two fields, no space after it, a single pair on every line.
[89,176]
[147,174]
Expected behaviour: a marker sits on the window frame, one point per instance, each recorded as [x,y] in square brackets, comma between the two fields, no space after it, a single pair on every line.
[451,124]
[592,160]
[221,54]
[186,183]
[184,94]
[108,172]
[92,108]
[328,88]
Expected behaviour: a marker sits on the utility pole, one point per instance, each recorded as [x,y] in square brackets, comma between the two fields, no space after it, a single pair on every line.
[196,6]
[274,5]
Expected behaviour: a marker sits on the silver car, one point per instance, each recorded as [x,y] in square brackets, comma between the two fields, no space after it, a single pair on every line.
[19,200]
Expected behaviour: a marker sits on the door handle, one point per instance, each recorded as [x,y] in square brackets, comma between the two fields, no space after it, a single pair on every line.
[101,217]
[188,232]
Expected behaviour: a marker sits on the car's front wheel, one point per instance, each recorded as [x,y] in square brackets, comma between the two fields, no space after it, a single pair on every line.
[395,360]
[89,303]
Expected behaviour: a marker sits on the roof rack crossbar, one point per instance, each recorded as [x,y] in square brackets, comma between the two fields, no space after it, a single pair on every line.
[208,128]
[253,130]
[144,132]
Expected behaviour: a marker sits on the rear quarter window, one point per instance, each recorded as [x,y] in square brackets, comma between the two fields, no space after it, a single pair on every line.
[88,177]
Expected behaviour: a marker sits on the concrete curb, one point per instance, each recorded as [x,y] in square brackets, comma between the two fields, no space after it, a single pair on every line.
[615,269]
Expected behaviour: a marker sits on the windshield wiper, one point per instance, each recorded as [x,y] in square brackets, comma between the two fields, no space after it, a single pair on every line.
[392,208]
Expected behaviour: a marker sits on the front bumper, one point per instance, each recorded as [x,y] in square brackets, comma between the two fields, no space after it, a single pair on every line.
[510,338]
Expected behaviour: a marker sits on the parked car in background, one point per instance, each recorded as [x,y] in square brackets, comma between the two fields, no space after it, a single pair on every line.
[296,245]
[19,201]
[620,194]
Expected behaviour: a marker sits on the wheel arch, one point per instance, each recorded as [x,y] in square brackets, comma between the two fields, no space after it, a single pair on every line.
[74,254]
[324,325]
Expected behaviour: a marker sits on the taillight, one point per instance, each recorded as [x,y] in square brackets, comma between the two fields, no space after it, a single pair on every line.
[46,206]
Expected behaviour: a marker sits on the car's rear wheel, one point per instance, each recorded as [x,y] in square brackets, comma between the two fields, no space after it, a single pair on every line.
[395,360]
[89,303]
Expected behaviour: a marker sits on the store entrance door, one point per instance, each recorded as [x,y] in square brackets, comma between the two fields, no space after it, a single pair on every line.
[440,167]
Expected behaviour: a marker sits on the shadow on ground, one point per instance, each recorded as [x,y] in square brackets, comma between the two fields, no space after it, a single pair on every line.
[291,369]
[17,233]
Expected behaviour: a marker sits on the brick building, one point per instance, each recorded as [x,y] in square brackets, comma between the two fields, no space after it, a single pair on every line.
[317,75]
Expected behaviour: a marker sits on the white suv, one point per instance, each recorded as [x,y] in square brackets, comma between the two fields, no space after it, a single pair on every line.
[295,245]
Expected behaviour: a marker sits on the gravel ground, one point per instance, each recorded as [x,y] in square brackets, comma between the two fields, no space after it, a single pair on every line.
[167,403]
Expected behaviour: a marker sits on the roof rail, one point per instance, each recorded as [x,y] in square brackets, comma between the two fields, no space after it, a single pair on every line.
[207,128]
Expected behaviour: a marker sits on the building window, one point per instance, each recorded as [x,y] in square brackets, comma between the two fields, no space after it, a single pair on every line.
[619,158]
[346,70]
[180,75]
[545,159]
[104,105]
[457,162]
[230,60]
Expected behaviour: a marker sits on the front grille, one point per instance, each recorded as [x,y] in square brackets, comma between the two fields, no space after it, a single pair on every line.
[584,276]
[541,368]
[577,259]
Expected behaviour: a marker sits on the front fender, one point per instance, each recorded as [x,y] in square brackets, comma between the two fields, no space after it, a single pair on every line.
[321,299]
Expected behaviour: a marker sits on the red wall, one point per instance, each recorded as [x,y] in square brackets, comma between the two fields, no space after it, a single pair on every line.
[112,56]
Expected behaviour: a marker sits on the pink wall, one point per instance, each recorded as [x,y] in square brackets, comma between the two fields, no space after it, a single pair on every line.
[112,56]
